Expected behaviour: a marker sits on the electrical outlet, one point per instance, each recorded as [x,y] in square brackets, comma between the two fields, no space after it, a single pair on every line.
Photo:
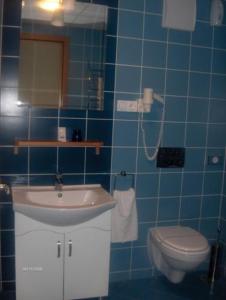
[127,106]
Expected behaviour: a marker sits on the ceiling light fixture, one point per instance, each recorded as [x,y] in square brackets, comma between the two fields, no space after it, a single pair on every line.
[50,5]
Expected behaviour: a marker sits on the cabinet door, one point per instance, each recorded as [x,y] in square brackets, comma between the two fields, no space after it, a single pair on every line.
[87,253]
[39,266]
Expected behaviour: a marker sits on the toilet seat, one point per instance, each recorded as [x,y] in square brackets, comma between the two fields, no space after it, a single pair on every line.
[180,241]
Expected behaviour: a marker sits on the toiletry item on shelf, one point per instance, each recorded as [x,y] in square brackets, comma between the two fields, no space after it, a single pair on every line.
[77,135]
[124,217]
[62,133]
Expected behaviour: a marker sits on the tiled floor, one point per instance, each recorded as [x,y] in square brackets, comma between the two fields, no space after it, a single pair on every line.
[193,287]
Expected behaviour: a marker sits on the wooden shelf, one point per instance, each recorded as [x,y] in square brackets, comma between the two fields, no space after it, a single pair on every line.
[46,143]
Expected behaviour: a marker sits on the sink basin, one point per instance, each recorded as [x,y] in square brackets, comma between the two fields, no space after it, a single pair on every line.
[72,205]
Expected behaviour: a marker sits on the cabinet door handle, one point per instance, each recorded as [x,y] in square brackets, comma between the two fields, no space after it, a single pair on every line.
[70,248]
[58,249]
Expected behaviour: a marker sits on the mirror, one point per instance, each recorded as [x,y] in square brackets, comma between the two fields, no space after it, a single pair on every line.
[62,54]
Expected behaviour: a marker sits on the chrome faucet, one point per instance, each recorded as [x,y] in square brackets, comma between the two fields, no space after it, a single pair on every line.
[4,187]
[58,182]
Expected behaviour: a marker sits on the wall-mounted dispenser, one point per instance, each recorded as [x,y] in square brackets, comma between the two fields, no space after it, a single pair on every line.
[179,14]
[145,104]
[142,106]
[216,13]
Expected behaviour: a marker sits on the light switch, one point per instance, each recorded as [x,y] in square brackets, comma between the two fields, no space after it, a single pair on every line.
[127,106]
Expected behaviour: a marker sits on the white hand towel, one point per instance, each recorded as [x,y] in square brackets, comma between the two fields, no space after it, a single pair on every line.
[124,217]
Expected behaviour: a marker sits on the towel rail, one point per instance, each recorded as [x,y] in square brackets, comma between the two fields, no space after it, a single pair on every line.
[124,174]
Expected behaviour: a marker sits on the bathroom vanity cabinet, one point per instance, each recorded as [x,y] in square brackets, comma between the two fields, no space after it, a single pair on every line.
[62,263]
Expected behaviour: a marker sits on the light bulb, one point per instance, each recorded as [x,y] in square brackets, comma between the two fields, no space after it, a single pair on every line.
[50,5]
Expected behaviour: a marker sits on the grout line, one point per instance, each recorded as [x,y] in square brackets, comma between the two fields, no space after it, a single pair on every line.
[207,128]
[185,127]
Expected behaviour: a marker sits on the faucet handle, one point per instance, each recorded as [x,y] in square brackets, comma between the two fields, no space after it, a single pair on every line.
[59,175]
[5,187]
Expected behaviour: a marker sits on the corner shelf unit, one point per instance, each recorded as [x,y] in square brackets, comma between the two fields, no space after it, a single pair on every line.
[45,143]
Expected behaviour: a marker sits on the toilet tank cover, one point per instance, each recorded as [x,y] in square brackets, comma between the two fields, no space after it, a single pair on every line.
[180,238]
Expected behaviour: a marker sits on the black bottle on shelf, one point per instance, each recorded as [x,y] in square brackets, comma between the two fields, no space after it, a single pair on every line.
[77,135]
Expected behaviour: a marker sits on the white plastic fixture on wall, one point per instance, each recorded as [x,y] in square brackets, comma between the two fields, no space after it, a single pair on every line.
[179,14]
[145,105]
[216,13]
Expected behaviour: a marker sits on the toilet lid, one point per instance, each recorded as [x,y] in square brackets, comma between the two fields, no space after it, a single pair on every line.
[181,238]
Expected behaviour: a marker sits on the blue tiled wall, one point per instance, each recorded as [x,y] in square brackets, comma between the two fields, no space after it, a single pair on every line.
[187,69]
[38,165]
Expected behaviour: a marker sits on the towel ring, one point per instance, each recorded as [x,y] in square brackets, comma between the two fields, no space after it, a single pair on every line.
[124,174]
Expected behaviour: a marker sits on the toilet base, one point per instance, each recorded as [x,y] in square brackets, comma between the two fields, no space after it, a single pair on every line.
[175,276]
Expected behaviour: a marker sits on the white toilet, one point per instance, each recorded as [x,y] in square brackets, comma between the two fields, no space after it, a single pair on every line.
[175,250]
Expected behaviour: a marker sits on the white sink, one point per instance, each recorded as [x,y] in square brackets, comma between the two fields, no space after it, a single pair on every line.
[70,206]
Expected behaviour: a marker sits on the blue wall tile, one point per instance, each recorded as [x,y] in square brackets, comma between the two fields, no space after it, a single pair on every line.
[140,258]
[202,35]
[198,84]
[194,159]
[130,24]
[123,159]
[9,71]
[137,5]
[10,41]
[196,135]
[218,86]
[154,54]
[175,109]
[12,11]
[168,208]
[209,228]
[120,260]
[147,209]
[210,206]
[219,61]
[98,163]
[178,57]
[122,129]
[190,207]
[192,183]
[219,40]
[153,78]
[200,59]
[212,183]
[129,51]
[13,128]
[154,6]
[153,29]
[197,110]
[173,135]
[177,83]
[43,160]
[179,36]
[216,136]
[170,185]
[147,185]
[217,111]
[127,79]
[13,164]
